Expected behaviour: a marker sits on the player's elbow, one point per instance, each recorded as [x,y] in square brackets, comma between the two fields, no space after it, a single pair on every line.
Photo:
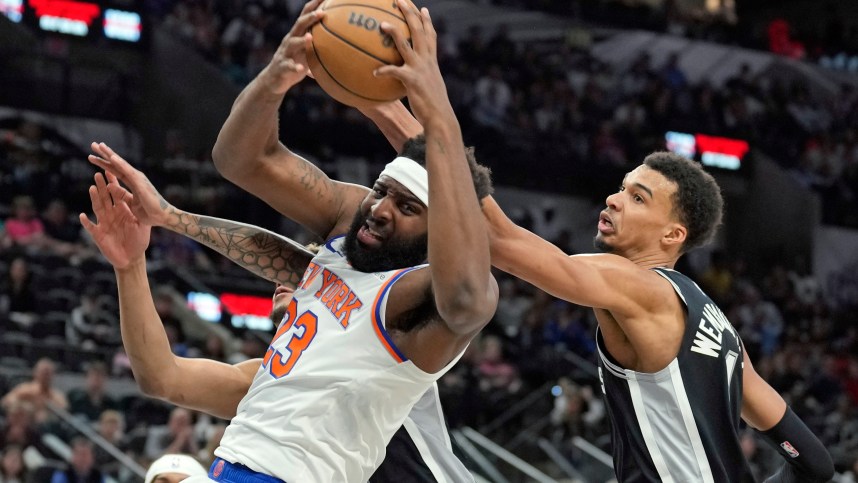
[467,312]
[152,387]
[825,469]
[226,161]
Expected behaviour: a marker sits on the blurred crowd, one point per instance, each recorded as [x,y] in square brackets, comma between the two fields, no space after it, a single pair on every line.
[583,121]
[57,299]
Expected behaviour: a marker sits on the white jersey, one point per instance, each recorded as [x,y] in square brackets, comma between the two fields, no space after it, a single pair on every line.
[332,388]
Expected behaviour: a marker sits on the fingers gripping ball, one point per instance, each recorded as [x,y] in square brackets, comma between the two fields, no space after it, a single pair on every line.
[348,45]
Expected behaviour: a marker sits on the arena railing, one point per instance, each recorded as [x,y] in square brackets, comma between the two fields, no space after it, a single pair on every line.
[102,443]
[495,449]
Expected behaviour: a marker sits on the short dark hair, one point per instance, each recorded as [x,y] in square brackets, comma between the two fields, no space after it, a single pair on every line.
[697,202]
[415,149]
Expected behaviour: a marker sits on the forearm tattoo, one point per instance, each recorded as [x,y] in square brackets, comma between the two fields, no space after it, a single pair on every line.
[252,248]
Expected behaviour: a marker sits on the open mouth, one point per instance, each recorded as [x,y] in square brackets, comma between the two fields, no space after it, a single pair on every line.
[368,236]
[282,290]
[605,223]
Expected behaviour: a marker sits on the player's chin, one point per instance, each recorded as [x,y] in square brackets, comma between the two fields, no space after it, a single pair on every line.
[601,244]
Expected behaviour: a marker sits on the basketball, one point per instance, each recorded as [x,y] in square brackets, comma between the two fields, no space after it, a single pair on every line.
[348,45]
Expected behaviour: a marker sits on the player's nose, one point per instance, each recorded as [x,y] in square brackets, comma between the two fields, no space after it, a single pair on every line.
[381,210]
[613,201]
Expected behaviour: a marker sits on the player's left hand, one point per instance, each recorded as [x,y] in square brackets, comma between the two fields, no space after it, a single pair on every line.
[145,202]
[289,66]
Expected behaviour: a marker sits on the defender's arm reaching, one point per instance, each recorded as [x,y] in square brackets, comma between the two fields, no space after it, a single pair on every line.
[122,234]
[262,252]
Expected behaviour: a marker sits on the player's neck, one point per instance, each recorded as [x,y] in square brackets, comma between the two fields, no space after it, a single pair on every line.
[648,260]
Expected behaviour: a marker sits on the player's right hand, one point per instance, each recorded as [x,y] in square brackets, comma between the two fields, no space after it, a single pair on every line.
[289,64]
[420,73]
[120,236]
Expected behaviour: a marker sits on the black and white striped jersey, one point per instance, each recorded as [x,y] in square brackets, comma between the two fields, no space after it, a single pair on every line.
[680,424]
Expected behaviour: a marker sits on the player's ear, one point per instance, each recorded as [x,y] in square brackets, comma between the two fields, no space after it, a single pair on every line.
[676,235]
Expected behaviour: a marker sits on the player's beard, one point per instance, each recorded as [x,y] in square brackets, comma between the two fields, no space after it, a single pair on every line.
[392,253]
[600,244]
[277,313]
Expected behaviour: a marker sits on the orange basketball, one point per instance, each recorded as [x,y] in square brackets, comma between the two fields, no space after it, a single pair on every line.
[348,45]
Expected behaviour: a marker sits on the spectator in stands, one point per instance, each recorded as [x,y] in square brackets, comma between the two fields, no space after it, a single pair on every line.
[567,330]
[759,321]
[17,294]
[215,348]
[90,327]
[82,467]
[38,392]
[173,468]
[19,428]
[176,437]
[63,234]
[91,401]
[164,305]
[12,467]
[206,454]
[492,99]
[5,241]
[245,33]
[498,378]
[850,475]
[111,427]
[717,279]
[672,74]
[120,366]
[24,227]
[251,347]
[512,306]
[179,251]
[568,408]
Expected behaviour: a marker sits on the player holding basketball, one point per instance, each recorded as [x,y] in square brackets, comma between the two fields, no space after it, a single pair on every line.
[370,327]
[674,372]
[420,451]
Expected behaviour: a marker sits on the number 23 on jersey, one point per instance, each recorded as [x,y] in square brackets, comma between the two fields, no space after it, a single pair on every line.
[280,364]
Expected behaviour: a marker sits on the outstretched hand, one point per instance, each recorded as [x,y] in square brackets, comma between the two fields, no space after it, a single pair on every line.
[145,202]
[420,73]
[120,236]
[289,64]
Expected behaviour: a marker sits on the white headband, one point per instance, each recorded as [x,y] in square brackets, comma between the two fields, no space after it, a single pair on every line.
[175,463]
[411,175]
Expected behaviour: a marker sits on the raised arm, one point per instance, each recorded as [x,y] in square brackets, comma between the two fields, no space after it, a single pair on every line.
[194,383]
[394,121]
[464,290]
[600,280]
[249,153]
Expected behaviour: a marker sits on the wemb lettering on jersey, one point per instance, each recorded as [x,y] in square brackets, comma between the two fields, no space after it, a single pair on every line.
[710,331]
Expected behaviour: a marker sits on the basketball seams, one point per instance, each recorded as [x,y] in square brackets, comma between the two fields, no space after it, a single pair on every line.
[331,76]
[346,77]
[352,45]
[362,5]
